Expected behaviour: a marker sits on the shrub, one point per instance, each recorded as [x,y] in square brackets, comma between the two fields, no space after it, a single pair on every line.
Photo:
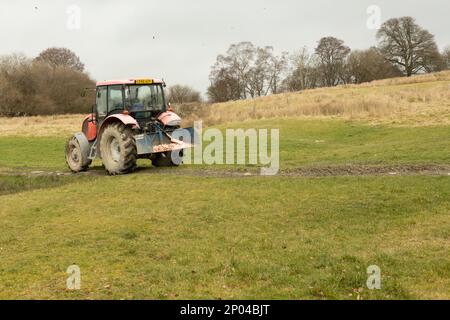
[30,87]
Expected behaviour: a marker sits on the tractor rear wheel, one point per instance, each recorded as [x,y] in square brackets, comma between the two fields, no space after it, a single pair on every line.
[118,149]
[165,159]
[76,159]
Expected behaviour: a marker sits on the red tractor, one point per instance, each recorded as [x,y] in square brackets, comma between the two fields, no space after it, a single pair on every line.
[130,120]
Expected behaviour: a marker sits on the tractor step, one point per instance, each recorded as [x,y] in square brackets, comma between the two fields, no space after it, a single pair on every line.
[93,151]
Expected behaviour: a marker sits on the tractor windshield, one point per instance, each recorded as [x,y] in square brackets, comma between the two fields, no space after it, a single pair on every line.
[149,97]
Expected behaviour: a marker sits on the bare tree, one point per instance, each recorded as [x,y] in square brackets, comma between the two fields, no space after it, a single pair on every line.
[265,72]
[36,88]
[368,65]
[61,57]
[183,94]
[10,63]
[446,57]
[237,63]
[332,53]
[303,72]
[258,74]
[301,63]
[224,87]
[246,71]
[407,45]
[277,69]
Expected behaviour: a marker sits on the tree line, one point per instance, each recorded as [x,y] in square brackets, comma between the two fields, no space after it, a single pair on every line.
[247,71]
[51,83]
[54,83]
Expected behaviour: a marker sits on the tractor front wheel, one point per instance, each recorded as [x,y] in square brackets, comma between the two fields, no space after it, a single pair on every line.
[76,159]
[118,149]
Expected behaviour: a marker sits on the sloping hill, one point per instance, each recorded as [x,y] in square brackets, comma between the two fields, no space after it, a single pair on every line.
[419,100]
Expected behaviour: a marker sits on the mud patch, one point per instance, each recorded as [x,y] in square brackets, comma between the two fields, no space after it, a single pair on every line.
[313,171]
[319,171]
[363,170]
[11,184]
[316,171]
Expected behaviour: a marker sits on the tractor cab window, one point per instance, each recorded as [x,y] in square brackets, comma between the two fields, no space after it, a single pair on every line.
[145,97]
[102,106]
[115,99]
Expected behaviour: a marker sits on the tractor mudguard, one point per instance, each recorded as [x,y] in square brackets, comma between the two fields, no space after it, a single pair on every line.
[89,127]
[169,118]
[84,143]
[123,118]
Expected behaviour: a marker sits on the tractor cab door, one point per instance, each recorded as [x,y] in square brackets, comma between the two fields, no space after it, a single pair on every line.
[115,99]
[101,109]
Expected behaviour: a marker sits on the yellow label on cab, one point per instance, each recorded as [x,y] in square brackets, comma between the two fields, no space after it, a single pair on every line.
[144,81]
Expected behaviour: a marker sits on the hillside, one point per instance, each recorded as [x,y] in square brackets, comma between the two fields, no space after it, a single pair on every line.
[419,100]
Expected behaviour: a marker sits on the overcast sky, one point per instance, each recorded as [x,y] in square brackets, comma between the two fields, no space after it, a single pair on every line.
[179,40]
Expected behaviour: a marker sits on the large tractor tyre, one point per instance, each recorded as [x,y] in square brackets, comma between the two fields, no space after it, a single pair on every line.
[165,160]
[76,158]
[118,149]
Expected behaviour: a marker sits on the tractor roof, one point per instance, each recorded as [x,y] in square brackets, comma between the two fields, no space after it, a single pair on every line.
[129,81]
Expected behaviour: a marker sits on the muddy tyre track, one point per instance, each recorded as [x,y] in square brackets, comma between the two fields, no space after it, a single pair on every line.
[312,171]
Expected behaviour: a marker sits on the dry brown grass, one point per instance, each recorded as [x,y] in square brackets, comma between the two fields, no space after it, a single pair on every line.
[420,100]
[42,126]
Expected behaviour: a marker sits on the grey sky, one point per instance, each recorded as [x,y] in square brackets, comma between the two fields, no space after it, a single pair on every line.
[179,40]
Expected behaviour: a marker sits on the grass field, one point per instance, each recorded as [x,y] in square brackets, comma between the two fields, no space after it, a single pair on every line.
[281,238]
[303,142]
[187,233]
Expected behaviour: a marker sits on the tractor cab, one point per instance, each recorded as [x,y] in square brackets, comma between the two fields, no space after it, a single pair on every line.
[143,99]
[131,119]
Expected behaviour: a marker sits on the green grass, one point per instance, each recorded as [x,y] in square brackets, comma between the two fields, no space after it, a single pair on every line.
[302,143]
[14,184]
[32,153]
[159,236]
[165,237]
[337,142]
